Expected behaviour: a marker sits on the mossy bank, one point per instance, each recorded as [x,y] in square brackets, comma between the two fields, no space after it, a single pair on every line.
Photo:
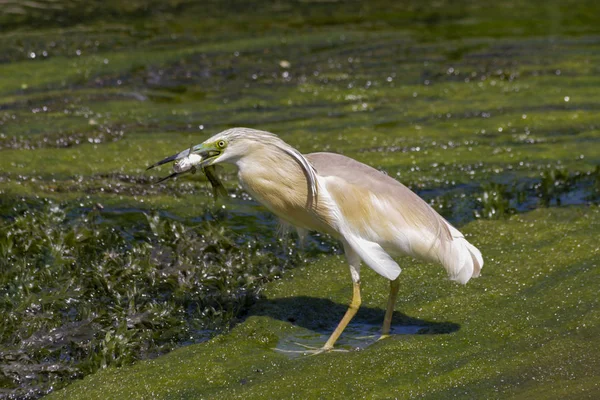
[528,328]
[488,113]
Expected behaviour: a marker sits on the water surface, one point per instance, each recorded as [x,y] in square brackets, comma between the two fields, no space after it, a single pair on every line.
[485,112]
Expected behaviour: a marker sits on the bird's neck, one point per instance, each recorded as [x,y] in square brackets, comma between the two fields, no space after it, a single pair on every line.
[277,181]
[273,179]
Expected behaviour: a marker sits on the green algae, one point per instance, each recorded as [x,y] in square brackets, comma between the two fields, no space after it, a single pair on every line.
[530,323]
[486,112]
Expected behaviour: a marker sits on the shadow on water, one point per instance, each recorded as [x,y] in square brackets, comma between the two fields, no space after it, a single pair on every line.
[318,317]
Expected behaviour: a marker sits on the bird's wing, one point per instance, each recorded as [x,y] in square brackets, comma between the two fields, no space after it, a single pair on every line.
[378,213]
[373,255]
[416,213]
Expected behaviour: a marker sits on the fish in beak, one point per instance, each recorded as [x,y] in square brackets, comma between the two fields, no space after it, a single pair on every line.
[187,161]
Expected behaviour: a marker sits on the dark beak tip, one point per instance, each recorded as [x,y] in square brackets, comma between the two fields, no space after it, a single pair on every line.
[164,161]
[173,175]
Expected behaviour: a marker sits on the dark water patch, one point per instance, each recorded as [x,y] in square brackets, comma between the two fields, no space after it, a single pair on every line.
[61,140]
[80,296]
[13,206]
[502,71]
[500,198]
[523,111]
[173,78]
[130,185]
[132,189]
[50,13]
[506,190]
[504,62]
[66,101]
[503,50]
[225,72]
[444,20]
[114,183]
[195,73]
[37,46]
[106,286]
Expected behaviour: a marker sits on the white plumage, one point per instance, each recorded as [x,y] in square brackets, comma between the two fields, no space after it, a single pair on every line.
[372,214]
[384,215]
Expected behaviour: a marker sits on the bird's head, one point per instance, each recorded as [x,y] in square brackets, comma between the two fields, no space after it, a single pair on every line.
[227,146]
[234,144]
[230,145]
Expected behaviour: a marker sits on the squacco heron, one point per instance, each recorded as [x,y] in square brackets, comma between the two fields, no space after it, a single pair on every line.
[372,214]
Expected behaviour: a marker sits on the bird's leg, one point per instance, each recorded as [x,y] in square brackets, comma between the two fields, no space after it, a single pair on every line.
[354,261]
[352,309]
[389,313]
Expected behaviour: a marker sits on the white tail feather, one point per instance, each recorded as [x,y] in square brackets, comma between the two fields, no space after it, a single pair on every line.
[477,259]
[461,260]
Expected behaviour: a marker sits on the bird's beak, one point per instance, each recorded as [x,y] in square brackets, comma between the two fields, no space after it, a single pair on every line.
[174,157]
[207,151]
[208,154]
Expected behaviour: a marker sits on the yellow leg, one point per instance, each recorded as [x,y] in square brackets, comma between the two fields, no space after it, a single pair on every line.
[352,309]
[389,313]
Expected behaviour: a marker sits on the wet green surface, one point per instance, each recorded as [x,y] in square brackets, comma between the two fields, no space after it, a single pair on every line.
[486,112]
[528,328]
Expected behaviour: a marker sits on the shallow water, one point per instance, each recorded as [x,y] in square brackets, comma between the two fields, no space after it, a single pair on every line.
[357,336]
[482,113]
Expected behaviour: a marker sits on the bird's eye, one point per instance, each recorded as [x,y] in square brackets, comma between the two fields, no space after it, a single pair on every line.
[221,144]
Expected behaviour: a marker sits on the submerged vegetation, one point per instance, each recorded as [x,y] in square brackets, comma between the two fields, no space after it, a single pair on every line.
[488,113]
[78,295]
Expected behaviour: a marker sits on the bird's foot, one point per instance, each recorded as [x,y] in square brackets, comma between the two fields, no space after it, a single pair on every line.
[309,350]
[384,336]
[365,337]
